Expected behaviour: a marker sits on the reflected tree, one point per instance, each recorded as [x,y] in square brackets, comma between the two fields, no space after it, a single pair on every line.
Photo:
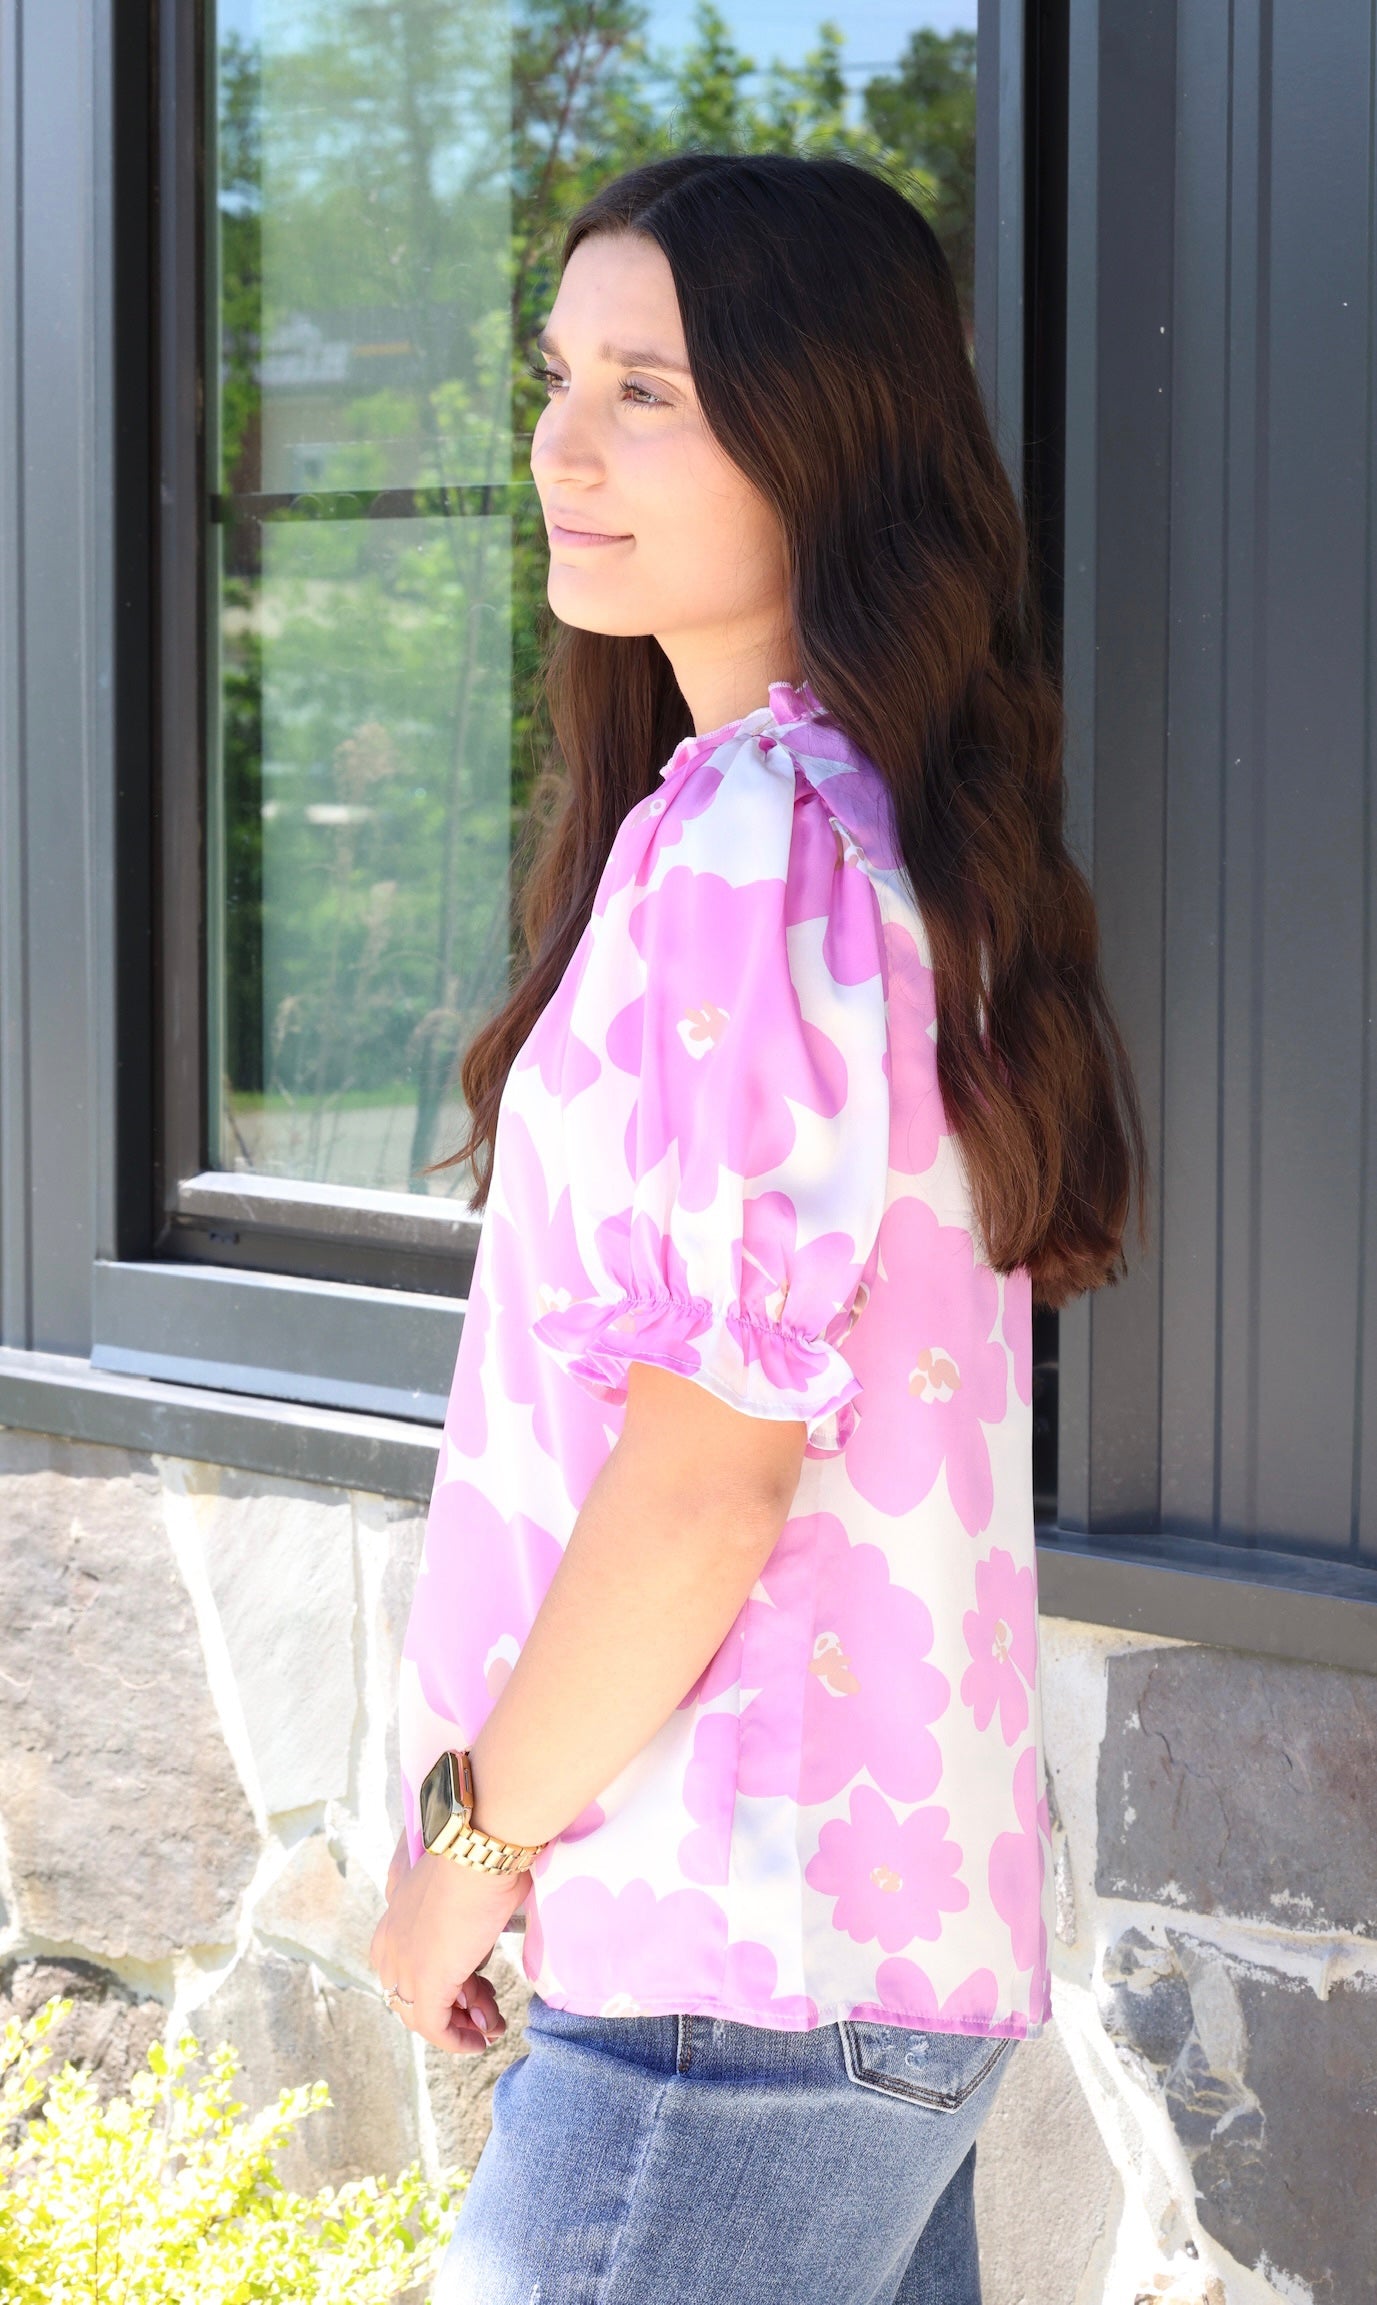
[394,181]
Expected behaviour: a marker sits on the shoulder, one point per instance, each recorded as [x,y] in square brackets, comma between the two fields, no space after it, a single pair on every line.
[783,794]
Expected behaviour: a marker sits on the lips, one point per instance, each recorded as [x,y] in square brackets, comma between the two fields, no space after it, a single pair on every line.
[562,530]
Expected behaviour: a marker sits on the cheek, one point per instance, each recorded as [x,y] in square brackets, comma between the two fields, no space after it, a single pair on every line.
[714,542]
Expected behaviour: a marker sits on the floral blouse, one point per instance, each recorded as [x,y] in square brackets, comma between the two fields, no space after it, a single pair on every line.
[722,1149]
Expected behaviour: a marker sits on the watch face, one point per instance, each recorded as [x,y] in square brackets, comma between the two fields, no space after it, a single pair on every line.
[437,1800]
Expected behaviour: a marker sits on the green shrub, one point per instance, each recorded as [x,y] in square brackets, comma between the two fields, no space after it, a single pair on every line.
[169,2196]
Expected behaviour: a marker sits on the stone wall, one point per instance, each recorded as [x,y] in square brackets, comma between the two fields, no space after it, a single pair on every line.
[197,1807]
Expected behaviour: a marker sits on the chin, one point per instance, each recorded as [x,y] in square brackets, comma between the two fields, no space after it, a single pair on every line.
[579,606]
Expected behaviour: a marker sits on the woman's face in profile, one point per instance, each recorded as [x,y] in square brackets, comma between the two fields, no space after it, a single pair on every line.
[652,529]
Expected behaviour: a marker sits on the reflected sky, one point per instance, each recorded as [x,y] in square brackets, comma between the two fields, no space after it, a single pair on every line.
[875,30]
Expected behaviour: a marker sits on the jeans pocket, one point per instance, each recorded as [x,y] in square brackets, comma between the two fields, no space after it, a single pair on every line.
[939,2071]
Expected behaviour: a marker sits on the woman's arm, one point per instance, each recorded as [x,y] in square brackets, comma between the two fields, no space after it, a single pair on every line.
[671,1537]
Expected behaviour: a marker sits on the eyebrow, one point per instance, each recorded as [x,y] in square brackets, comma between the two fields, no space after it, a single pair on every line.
[618,354]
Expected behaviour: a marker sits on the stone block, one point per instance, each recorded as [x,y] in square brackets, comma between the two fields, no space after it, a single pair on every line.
[1145,2004]
[461,2088]
[1272,2093]
[128,1831]
[1241,1786]
[108,2031]
[403,1529]
[1047,2195]
[279,1559]
[291,2028]
[324,1903]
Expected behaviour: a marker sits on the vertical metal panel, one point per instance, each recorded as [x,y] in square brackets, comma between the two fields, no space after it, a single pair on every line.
[56,1072]
[1310,785]
[181,782]
[59,439]
[14,1140]
[1220,568]
[999,224]
[1232,1180]
[1365,1390]
[1121,136]
[1192,945]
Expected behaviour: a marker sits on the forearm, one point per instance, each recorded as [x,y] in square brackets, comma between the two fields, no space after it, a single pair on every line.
[655,1572]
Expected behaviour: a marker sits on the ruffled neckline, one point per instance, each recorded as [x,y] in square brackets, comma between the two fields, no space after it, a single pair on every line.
[787,708]
[850,787]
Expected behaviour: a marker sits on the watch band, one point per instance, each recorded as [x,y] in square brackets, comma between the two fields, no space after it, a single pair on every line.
[472,1846]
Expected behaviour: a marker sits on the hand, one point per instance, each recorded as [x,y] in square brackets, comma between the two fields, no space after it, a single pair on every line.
[441,1923]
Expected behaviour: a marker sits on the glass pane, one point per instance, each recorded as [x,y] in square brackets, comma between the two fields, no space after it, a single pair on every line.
[367,220]
[374,753]
[391,181]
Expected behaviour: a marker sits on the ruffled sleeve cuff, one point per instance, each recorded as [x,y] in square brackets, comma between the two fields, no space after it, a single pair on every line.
[765,1368]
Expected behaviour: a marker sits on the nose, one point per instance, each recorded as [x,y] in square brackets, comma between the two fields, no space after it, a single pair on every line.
[564,445]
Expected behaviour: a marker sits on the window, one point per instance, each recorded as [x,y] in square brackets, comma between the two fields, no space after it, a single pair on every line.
[383,193]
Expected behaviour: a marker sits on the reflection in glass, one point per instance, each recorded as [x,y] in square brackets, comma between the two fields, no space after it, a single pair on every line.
[392,178]
[365,244]
[373,753]
[364,810]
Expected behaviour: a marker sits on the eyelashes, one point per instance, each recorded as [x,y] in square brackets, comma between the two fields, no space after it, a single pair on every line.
[639,395]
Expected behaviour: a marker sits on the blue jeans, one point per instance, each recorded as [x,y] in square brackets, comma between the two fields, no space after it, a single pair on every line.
[698,2161]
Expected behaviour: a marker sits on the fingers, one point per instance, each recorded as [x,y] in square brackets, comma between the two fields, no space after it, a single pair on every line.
[483,2009]
[466,2025]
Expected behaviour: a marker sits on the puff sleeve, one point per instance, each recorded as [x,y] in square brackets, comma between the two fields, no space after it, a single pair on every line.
[726,1132]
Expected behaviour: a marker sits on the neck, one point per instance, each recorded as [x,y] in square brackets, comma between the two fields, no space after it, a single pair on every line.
[723,677]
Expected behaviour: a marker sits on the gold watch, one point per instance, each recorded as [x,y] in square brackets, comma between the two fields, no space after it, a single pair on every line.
[447,1827]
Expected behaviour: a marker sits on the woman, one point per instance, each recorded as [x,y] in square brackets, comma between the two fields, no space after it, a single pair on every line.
[726,1615]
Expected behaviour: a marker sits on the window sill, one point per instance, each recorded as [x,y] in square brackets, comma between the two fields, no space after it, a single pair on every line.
[48,1393]
[1226,1596]
[324,1344]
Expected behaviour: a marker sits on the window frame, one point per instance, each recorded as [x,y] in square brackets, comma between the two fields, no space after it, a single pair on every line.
[203,1215]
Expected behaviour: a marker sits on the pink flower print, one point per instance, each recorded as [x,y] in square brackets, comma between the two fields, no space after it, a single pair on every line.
[535,1233]
[1001,1634]
[466,1415]
[718,1043]
[1018,1329]
[893,1878]
[722,1670]
[636,1952]
[917,1119]
[827,881]
[481,1582]
[749,1975]
[685,787]
[904,1990]
[710,1798]
[652,1317]
[835,1625]
[566,1063]
[587,1821]
[642,1258]
[932,1375]
[1016,1863]
[793,1299]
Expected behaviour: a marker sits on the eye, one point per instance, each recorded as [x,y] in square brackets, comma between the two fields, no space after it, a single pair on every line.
[549,377]
[640,395]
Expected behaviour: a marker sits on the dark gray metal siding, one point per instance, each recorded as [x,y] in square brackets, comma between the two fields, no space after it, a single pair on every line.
[1219,648]
[55,666]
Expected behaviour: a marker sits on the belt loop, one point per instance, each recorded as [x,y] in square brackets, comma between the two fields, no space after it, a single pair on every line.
[684,2057]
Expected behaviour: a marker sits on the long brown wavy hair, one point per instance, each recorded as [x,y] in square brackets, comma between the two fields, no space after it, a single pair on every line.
[826,346]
